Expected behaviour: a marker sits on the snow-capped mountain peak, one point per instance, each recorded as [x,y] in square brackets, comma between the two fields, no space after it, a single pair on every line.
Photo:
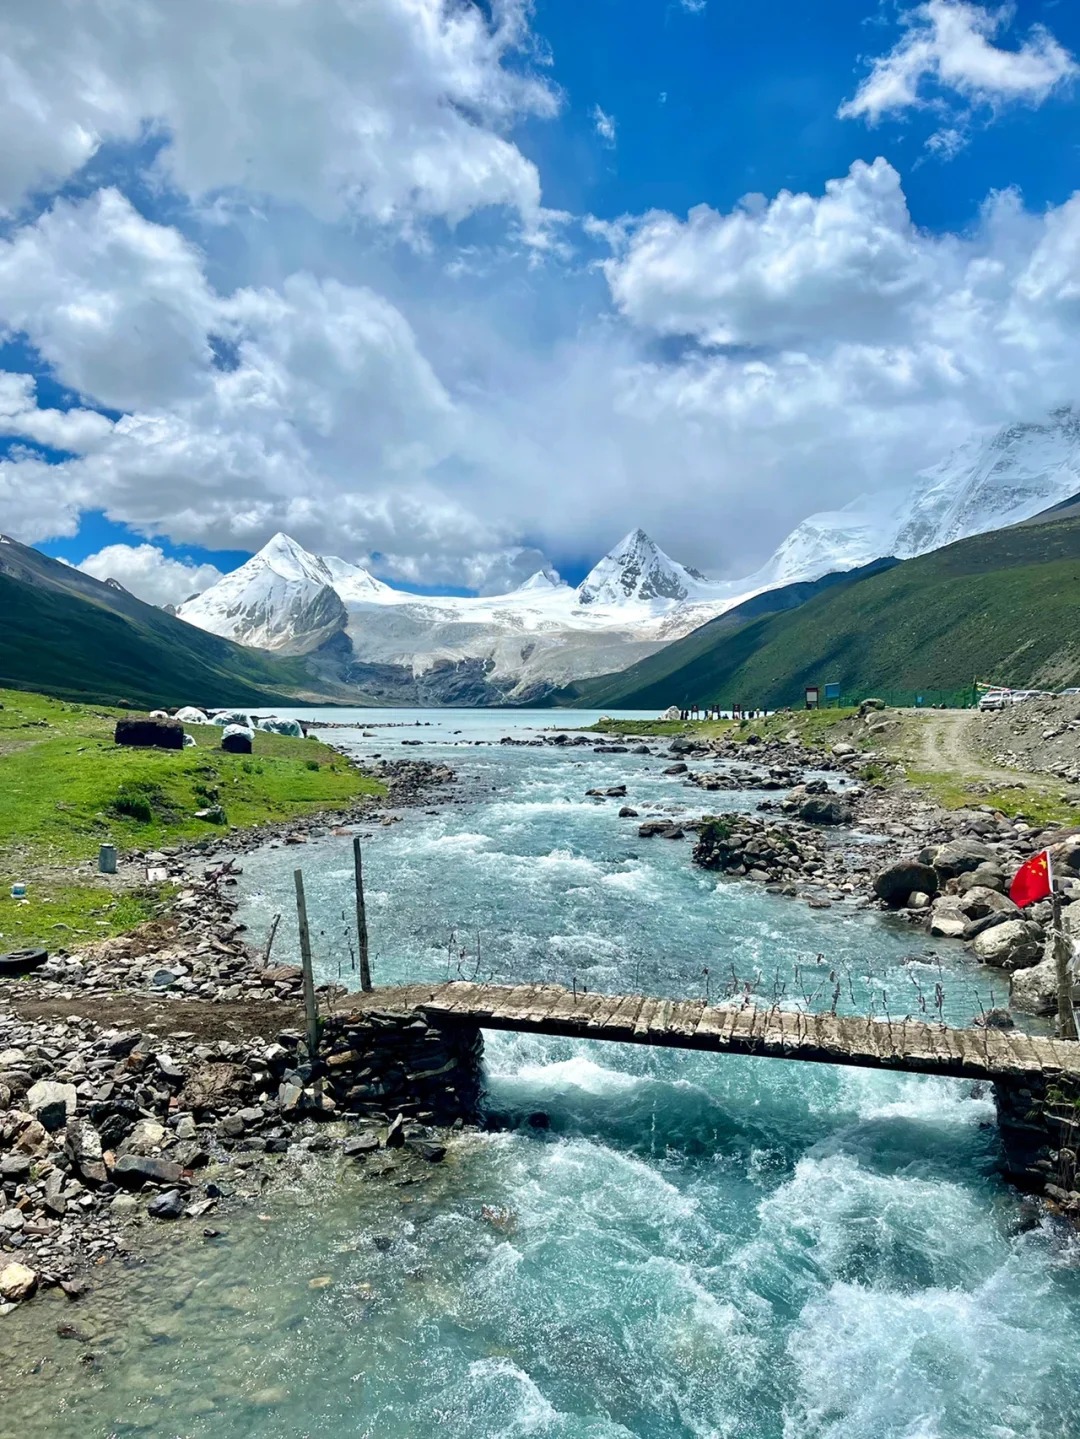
[636,569]
[291,561]
[542,583]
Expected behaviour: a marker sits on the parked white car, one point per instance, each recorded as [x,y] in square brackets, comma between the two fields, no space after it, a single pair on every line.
[995,699]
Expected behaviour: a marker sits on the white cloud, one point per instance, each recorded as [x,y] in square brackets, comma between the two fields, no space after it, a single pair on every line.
[771,360]
[604,125]
[149,574]
[949,42]
[392,110]
[694,7]
[77,430]
[776,272]
[120,307]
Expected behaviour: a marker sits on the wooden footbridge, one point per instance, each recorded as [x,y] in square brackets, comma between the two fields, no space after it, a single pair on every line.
[913,1046]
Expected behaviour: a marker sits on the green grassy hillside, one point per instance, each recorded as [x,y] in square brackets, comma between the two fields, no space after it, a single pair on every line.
[73,636]
[68,788]
[1002,607]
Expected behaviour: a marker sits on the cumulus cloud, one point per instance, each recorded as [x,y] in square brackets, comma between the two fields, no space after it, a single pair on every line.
[947,43]
[604,125]
[20,416]
[766,361]
[392,110]
[148,573]
[774,272]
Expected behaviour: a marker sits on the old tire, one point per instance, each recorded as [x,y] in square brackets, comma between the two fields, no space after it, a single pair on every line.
[22,961]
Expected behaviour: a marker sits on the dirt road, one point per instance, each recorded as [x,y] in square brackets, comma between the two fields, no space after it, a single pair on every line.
[950,742]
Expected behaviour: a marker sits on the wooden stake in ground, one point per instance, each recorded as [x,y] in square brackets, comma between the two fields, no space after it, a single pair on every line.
[270,940]
[361,917]
[1066,1015]
[311,1008]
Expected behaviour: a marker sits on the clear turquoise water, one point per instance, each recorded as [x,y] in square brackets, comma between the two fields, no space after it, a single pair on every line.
[697,1247]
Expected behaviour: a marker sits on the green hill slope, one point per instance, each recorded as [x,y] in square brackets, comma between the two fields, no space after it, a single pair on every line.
[1002,607]
[66,634]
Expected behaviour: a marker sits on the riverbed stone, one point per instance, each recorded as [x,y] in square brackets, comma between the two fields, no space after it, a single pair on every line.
[1016,944]
[825,809]
[959,856]
[169,1205]
[52,1103]
[82,1144]
[17,1282]
[896,882]
[1034,990]
[135,1170]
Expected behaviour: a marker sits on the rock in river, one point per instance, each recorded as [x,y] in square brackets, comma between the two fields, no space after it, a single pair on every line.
[1016,944]
[825,809]
[897,882]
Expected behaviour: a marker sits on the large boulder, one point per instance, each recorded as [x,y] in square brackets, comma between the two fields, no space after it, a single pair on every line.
[1034,990]
[17,1282]
[979,901]
[947,920]
[896,882]
[135,1170]
[51,1103]
[1016,944]
[985,876]
[825,809]
[150,733]
[960,856]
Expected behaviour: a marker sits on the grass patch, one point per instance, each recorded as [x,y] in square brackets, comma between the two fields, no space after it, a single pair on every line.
[1037,807]
[56,915]
[68,788]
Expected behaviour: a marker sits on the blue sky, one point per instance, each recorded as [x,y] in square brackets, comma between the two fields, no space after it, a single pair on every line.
[454,296]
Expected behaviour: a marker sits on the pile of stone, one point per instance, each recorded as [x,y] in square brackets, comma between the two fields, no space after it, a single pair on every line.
[785,857]
[380,1065]
[98,1125]
[407,779]
[196,953]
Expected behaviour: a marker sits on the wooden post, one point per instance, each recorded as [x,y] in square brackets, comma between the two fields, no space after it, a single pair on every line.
[361,917]
[1066,1015]
[311,1008]
[270,940]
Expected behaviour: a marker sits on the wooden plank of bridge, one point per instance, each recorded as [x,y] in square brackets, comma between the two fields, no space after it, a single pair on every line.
[645,1016]
[902,1044]
[625,1016]
[686,1016]
[603,1015]
[658,1024]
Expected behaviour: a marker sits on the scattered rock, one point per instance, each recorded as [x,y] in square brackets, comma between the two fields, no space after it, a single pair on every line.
[17,1282]
[825,809]
[169,1205]
[52,1103]
[1016,944]
[897,882]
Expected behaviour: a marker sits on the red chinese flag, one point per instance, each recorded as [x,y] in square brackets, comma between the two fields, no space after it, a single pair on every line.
[1033,881]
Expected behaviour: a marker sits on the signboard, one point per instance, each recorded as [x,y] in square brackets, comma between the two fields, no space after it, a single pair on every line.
[832,692]
[812,694]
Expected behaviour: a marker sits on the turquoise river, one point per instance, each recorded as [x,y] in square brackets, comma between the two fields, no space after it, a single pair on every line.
[695,1246]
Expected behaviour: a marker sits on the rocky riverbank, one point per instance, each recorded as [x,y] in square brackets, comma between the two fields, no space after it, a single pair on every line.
[840,825]
[160,1075]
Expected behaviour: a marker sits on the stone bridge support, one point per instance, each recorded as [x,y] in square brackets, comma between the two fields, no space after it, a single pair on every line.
[1039,1120]
[381,1064]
